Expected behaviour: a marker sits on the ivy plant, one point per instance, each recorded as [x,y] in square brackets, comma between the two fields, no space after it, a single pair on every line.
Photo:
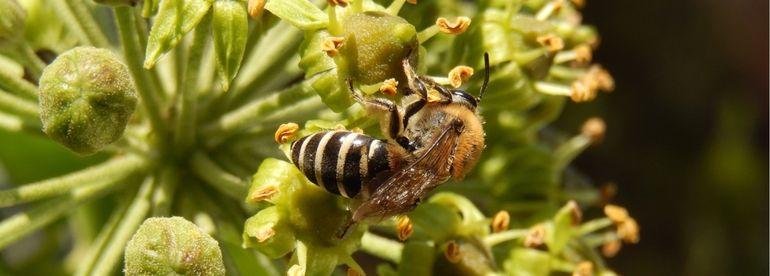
[181,112]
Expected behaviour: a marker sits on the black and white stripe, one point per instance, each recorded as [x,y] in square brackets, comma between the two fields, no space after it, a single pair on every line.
[340,161]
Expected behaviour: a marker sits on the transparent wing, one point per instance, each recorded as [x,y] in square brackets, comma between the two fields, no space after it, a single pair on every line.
[403,190]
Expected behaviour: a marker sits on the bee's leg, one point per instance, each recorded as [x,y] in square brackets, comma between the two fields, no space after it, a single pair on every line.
[414,81]
[391,123]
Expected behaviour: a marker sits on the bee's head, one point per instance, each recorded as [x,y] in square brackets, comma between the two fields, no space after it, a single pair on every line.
[459,96]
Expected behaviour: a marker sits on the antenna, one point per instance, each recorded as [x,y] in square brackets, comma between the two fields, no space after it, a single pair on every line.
[486,77]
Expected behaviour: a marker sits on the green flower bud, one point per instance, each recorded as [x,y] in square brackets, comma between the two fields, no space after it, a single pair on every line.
[269,233]
[526,261]
[117,3]
[86,99]
[12,17]
[374,47]
[172,246]
[231,28]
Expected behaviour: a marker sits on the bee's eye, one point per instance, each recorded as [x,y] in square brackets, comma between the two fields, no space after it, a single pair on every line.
[462,97]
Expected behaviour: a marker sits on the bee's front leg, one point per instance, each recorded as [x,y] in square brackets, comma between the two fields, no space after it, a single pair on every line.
[389,113]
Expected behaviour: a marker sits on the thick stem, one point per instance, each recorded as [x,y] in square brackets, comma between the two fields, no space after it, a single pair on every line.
[18,106]
[163,196]
[24,223]
[134,216]
[185,125]
[251,114]
[504,236]
[14,123]
[218,178]
[113,170]
[593,225]
[16,84]
[26,56]
[264,61]
[80,21]
[382,247]
[125,19]
[569,150]
[93,256]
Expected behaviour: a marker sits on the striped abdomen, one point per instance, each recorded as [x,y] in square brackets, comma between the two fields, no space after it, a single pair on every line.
[340,161]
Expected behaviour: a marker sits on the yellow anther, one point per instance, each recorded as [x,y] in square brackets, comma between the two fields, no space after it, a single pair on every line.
[263,193]
[452,252]
[594,128]
[610,249]
[500,221]
[628,231]
[616,213]
[255,7]
[404,228]
[459,26]
[459,74]
[389,87]
[583,54]
[581,92]
[584,269]
[604,80]
[536,236]
[265,233]
[341,3]
[285,132]
[552,42]
[357,130]
[331,44]
[434,96]
[339,127]
[413,2]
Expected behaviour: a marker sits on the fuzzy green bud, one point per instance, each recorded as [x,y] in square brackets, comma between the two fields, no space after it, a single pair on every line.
[172,246]
[117,3]
[86,99]
[375,46]
[12,17]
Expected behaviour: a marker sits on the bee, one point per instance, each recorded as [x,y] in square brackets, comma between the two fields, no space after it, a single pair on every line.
[428,142]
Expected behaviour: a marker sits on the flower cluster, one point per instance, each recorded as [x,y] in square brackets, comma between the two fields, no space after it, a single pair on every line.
[175,103]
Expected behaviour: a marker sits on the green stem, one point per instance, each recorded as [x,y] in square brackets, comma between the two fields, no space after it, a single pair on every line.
[26,56]
[93,256]
[569,150]
[185,126]
[13,123]
[17,84]
[24,223]
[134,216]
[593,225]
[218,178]
[163,195]
[18,106]
[504,236]
[264,62]
[252,113]
[382,247]
[81,22]
[116,169]
[124,18]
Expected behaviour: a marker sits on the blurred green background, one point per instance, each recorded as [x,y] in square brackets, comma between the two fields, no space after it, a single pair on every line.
[687,136]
